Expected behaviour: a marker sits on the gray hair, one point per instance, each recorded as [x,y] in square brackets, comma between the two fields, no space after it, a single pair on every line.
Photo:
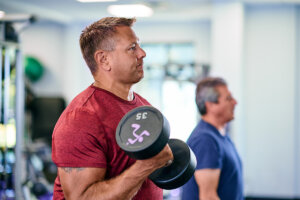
[206,92]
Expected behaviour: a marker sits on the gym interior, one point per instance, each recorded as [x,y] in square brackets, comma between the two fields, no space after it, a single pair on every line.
[253,45]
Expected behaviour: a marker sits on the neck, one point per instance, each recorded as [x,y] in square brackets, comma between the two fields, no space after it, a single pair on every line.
[122,91]
[213,121]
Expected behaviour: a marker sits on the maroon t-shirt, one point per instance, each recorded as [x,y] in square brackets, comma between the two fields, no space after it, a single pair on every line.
[84,136]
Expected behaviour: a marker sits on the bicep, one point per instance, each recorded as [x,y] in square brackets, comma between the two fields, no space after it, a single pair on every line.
[208,180]
[75,181]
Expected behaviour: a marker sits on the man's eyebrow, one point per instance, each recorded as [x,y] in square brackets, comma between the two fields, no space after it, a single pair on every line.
[132,43]
[135,42]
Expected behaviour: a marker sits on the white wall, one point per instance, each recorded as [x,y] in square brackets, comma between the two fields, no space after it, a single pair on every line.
[45,42]
[77,75]
[255,50]
[57,47]
[270,85]
[198,33]
[227,59]
[297,108]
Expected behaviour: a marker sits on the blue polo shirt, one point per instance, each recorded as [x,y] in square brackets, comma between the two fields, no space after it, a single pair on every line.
[215,151]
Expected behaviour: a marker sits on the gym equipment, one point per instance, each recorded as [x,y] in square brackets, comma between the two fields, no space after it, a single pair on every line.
[45,111]
[153,137]
[181,169]
[142,133]
[33,68]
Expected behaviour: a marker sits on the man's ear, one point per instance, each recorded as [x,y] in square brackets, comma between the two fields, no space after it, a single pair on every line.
[208,105]
[101,58]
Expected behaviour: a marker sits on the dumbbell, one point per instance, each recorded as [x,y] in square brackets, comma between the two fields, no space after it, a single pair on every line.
[142,133]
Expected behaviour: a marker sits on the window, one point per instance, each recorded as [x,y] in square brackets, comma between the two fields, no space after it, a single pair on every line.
[169,84]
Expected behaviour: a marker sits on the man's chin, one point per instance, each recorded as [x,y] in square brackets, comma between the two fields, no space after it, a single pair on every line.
[230,119]
[139,79]
[141,75]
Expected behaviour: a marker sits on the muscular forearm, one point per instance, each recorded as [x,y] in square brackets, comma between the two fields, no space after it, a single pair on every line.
[124,186]
[90,183]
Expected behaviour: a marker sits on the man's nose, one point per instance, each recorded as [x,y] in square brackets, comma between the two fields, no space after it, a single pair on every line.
[235,101]
[141,53]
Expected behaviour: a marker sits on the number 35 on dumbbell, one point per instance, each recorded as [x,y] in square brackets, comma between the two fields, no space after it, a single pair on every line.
[142,133]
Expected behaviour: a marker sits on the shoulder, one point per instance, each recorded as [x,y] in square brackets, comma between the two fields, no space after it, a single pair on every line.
[79,113]
[202,137]
[93,102]
[198,137]
[81,99]
[201,132]
[141,99]
[75,122]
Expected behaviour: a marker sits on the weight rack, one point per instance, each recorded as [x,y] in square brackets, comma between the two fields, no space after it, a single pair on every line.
[12,101]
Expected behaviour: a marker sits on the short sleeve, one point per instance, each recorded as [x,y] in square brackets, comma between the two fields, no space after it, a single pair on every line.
[78,141]
[207,153]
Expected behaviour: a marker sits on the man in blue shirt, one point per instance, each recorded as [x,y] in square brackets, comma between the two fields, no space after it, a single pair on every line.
[218,174]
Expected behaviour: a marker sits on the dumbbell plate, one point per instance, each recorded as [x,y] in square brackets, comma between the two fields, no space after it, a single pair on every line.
[180,171]
[143,132]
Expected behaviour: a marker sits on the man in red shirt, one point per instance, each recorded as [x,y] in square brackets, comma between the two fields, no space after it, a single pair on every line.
[90,163]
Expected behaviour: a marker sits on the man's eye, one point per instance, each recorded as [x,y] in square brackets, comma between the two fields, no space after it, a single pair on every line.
[133,47]
[229,98]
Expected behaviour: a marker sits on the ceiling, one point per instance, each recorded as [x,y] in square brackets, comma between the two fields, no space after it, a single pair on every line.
[71,11]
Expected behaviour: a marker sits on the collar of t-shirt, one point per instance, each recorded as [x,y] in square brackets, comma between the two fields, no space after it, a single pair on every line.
[222,131]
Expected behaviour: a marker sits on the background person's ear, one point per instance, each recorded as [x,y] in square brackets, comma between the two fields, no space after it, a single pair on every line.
[209,105]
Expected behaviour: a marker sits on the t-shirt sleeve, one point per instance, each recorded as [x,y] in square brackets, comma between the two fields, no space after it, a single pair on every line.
[207,153]
[78,141]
